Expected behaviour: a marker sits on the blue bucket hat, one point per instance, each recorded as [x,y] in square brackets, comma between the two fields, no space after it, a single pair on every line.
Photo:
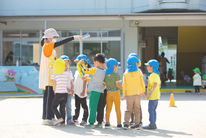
[131,64]
[110,65]
[134,55]
[80,57]
[155,65]
[64,57]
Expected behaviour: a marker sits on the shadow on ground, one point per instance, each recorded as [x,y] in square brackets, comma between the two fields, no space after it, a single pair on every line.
[116,132]
[1,99]
[184,96]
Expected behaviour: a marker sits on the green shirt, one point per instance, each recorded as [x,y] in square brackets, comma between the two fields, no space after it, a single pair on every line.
[110,81]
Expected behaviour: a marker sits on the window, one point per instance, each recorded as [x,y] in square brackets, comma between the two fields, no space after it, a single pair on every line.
[30,49]
[66,33]
[91,49]
[111,33]
[21,48]
[11,48]
[92,33]
[111,49]
[72,50]
[107,42]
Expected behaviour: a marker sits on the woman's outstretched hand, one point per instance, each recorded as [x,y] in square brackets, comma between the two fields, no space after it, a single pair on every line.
[79,37]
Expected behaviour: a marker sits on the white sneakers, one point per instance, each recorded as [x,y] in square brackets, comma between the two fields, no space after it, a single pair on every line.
[47,122]
[56,122]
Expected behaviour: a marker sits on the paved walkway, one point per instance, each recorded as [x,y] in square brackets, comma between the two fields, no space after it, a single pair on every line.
[21,118]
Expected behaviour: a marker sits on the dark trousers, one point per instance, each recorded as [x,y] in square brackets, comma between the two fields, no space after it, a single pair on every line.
[197,89]
[60,99]
[47,103]
[152,111]
[81,102]
[101,106]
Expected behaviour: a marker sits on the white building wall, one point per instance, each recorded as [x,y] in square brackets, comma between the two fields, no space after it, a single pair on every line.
[131,40]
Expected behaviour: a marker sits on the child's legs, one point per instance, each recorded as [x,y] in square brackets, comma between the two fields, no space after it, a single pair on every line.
[195,88]
[117,106]
[152,111]
[136,110]
[77,107]
[55,104]
[132,117]
[85,108]
[129,110]
[63,101]
[93,103]
[49,100]
[140,113]
[198,88]
[68,107]
[44,104]
[109,106]
[100,108]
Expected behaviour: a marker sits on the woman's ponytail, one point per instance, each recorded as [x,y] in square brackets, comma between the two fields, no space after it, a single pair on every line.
[42,41]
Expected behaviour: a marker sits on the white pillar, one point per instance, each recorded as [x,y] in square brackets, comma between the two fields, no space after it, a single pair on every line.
[131,41]
[139,50]
[45,24]
[123,44]
[40,49]
[81,44]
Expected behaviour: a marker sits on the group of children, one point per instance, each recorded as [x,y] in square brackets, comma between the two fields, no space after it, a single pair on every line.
[103,84]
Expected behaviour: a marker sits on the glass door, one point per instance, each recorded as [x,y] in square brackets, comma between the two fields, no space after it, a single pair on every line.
[167,51]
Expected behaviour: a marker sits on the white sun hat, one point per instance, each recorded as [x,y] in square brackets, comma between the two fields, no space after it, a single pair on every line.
[50,33]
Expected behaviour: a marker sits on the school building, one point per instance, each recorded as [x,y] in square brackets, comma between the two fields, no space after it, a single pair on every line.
[116,27]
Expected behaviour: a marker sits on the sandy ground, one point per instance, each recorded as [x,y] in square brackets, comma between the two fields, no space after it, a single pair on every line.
[21,118]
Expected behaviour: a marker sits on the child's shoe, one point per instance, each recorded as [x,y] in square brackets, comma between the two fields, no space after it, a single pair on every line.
[135,126]
[90,126]
[119,126]
[83,123]
[58,121]
[140,124]
[98,125]
[71,122]
[107,125]
[131,123]
[45,122]
[126,127]
[75,121]
[63,124]
[150,127]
